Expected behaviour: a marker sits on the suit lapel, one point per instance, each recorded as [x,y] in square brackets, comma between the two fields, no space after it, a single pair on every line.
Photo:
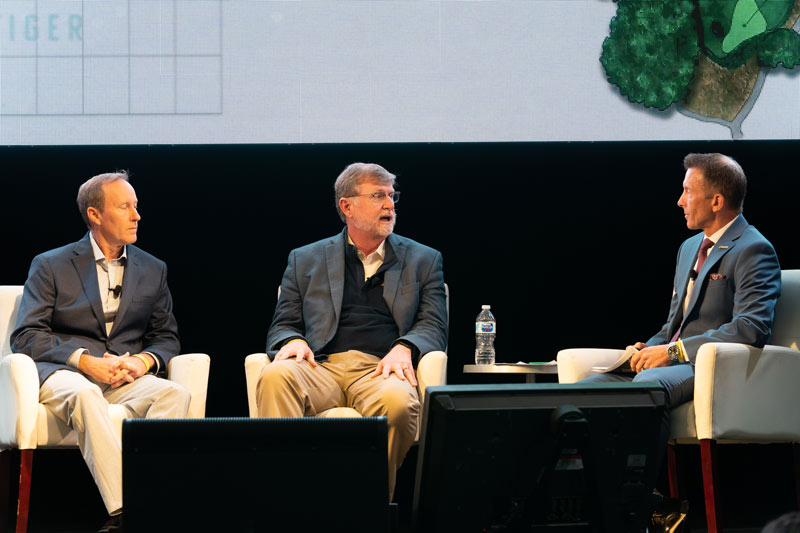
[684,269]
[391,280]
[130,282]
[87,271]
[334,254]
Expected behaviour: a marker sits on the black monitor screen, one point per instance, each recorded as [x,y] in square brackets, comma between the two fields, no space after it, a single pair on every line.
[255,474]
[538,457]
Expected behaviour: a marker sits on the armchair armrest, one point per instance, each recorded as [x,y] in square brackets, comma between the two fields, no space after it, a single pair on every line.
[431,370]
[574,364]
[747,393]
[19,402]
[253,365]
[191,371]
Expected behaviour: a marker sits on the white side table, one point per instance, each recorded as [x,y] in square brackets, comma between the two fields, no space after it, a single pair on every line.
[530,371]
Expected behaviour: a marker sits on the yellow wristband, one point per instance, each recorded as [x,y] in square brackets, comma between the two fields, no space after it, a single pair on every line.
[299,339]
[143,359]
[682,353]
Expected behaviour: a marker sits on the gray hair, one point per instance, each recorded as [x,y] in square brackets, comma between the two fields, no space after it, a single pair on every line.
[352,177]
[91,194]
[721,174]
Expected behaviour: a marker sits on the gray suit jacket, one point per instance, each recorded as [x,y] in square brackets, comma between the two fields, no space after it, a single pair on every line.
[312,290]
[61,309]
[734,296]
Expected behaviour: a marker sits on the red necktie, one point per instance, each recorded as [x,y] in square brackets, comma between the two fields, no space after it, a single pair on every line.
[703,253]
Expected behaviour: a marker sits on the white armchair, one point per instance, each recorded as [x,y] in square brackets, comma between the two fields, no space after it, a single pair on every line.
[431,370]
[26,425]
[741,394]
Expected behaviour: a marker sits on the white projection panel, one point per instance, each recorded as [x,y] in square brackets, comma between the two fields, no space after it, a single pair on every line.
[330,71]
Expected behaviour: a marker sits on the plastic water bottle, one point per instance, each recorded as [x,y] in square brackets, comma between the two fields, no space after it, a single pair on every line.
[485,330]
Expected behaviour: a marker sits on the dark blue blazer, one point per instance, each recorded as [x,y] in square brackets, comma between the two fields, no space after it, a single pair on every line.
[61,309]
[734,296]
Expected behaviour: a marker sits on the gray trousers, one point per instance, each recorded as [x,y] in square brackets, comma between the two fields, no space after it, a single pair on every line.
[82,404]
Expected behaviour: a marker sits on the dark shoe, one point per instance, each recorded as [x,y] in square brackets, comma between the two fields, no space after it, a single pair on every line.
[669,516]
[112,525]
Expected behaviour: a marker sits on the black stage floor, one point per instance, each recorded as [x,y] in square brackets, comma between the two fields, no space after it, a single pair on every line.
[756,481]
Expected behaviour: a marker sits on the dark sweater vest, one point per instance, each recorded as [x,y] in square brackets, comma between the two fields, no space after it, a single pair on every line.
[366,324]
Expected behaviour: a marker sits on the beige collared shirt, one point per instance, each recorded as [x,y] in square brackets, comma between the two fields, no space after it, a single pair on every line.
[371,262]
[109,276]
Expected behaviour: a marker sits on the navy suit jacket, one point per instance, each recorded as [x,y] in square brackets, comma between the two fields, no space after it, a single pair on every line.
[734,296]
[61,309]
[312,290]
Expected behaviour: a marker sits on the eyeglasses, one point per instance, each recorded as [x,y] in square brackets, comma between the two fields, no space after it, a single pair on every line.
[379,197]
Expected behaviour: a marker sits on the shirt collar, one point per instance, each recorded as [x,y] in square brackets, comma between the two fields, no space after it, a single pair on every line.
[381,251]
[721,231]
[98,253]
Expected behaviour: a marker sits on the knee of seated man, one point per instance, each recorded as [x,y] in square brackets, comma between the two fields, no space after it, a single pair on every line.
[87,399]
[169,395]
[89,395]
[180,395]
[399,402]
[278,373]
[280,370]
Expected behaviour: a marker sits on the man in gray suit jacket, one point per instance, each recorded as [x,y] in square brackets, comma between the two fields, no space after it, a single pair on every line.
[355,313]
[727,281]
[96,317]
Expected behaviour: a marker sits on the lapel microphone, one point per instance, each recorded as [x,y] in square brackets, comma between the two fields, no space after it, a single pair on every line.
[374,281]
[692,274]
[116,290]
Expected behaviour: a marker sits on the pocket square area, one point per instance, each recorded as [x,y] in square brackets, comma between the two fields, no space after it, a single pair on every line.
[716,275]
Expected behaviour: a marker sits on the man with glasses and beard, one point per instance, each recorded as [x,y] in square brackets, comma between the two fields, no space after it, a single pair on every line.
[355,313]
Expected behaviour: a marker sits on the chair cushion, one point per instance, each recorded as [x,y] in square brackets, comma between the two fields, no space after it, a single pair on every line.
[339,412]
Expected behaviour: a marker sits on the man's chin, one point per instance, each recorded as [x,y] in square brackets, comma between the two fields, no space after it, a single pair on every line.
[384,230]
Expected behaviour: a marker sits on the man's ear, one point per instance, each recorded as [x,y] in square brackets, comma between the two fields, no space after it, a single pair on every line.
[717,202]
[346,206]
[94,215]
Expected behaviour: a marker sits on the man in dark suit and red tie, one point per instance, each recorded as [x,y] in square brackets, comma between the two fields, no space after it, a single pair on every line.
[727,281]
[96,317]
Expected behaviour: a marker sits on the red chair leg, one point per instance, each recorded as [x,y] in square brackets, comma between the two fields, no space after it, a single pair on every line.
[708,460]
[24,497]
[672,471]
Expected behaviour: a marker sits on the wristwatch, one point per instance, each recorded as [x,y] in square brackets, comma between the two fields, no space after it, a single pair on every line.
[674,352]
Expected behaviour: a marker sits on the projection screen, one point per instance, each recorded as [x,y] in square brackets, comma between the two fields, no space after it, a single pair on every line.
[331,71]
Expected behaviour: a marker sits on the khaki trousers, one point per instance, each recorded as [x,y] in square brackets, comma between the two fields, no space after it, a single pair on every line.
[290,389]
[82,404]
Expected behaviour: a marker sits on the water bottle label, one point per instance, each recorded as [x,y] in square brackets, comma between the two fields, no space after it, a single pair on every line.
[485,327]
